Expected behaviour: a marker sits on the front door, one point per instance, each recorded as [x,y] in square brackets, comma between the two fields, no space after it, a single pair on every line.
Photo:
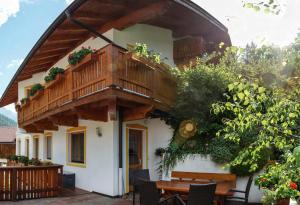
[135,152]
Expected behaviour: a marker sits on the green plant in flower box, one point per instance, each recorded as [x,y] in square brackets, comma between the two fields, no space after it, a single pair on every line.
[35,88]
[77,56]
[24,100]
[53,73]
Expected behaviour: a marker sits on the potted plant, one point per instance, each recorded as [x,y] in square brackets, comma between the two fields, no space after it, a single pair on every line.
[24,101]
[150,58]
[281,181]
[36,91]
[54,76]
[78,58]
[23,160]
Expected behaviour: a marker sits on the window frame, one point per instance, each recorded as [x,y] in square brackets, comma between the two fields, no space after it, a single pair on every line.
[27,145]
[48,135]
[71,131]
[36,147]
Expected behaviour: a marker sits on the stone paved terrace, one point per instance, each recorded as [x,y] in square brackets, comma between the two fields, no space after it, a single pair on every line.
[85,198]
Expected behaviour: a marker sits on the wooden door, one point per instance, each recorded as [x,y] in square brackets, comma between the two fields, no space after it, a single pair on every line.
[135,152]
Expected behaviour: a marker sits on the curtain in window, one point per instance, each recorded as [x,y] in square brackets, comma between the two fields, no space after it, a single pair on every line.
[77,147]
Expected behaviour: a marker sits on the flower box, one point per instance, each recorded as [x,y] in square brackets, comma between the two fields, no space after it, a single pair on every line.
[147,61]
[37,94]
[58,78]
[88,58]
[283,202]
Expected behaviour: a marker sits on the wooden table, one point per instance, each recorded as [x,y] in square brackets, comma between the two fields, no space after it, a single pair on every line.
[222,189]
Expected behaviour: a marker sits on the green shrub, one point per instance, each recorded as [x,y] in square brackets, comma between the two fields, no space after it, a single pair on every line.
[35,88]
[223,151]
[243,169]
[23,159]
[24,100]
[53,73]
[77,56]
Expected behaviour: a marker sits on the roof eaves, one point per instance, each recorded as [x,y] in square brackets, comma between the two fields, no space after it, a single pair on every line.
[41,40]
[200,11]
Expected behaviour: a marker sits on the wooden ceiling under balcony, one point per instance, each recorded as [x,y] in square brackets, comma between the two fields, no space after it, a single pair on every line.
[181,16]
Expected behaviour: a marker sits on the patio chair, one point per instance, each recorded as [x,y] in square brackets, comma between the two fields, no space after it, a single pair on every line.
[200,194]
[239,200]
[137,177]
[150,195]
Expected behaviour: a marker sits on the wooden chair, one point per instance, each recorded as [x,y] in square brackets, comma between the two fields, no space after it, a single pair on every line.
[138,176]
[237,200]
[150,195]
[200,194]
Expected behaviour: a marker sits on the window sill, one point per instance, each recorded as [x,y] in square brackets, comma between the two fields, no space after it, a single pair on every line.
[76,165]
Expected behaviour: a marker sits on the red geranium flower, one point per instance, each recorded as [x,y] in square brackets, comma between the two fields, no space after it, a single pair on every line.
[293,185]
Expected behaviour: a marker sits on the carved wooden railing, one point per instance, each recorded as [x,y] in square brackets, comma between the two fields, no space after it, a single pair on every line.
[19,183]
[110,65]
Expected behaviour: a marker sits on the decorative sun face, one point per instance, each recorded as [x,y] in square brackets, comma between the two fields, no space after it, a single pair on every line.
[189,127]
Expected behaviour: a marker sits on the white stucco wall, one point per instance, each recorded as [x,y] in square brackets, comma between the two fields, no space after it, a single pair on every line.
[101,172]
[158,39]
[198,163]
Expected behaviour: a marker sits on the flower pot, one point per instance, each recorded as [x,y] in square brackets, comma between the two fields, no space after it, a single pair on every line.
[283,202]
[57,79]
[37,94]
[88,58]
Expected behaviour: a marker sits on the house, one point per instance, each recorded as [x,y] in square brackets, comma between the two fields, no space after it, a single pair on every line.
[94,119]
[7,141]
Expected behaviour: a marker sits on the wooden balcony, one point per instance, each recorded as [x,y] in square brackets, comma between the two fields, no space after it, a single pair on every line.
[96,88]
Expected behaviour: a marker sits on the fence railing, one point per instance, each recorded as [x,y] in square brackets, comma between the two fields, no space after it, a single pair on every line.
[110,65]
[32,182]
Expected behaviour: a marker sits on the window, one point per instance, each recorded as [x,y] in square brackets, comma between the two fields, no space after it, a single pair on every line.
[36,147]
[19,147]
[27,147]
[48,146]
[76,146]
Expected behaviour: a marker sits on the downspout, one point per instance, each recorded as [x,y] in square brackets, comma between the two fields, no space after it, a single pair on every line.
[90,29]
[121,148]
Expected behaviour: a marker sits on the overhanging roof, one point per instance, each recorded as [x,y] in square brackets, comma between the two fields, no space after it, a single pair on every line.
[183,17]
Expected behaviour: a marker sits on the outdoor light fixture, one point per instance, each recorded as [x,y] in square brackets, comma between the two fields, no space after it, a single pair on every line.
[99,131]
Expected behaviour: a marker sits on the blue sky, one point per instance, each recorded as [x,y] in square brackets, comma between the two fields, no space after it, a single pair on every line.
[22,22]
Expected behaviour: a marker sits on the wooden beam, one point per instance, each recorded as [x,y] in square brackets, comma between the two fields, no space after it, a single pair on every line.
[38,61]
[54,47]
[137,113]
[45,125]
[92,114]
[69,35]
[32,129]
[67,40]
[138,16]
[62,120]
[112,110]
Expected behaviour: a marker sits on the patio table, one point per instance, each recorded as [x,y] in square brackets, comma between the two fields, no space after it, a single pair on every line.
[222,190]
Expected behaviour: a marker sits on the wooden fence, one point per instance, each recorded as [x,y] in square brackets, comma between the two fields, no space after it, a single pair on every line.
[7,150]
[32,182]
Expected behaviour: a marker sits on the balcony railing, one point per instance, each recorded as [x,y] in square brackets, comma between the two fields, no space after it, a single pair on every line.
[109,66]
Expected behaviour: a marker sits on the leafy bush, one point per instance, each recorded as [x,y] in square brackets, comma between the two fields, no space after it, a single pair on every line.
[77,56]
[35,162]
[24,100]
[35,88]
[53,73]
[141,49]
[23,159]
[223,151]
